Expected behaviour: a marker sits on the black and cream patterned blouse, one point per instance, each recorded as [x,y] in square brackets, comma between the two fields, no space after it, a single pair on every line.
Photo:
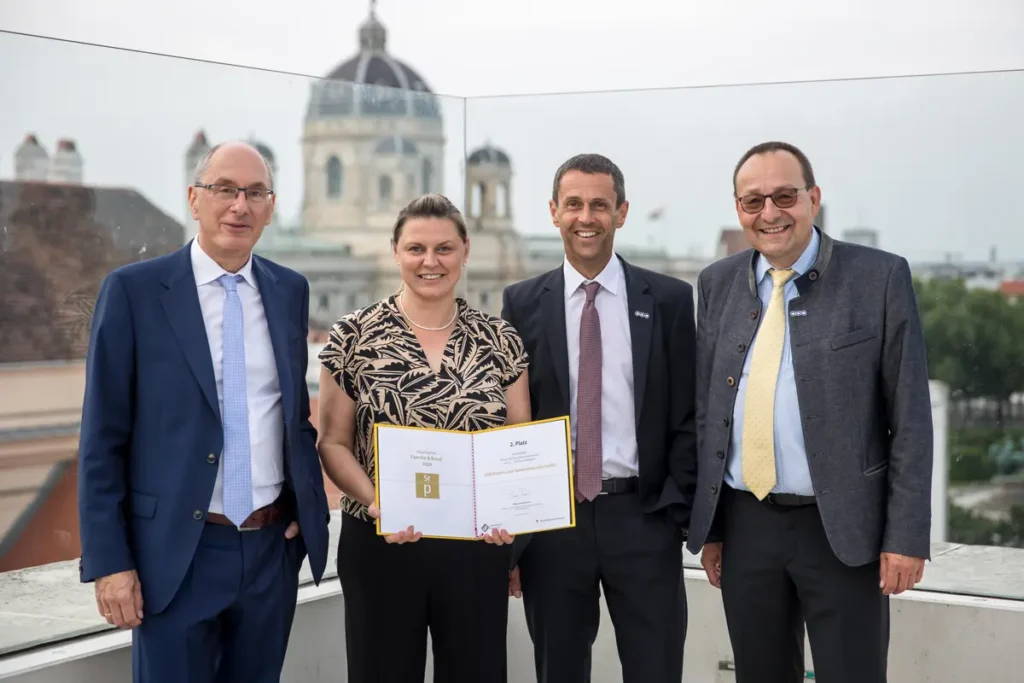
[375,357]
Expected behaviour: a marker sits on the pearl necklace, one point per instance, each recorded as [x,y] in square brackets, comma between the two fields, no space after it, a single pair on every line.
[401,304]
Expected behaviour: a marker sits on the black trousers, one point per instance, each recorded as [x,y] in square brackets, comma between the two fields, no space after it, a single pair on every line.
[395,593]
[779,572]
[637,559]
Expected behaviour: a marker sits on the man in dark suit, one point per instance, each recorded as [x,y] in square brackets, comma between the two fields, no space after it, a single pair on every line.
[814,489]
[612,346]
[200,489]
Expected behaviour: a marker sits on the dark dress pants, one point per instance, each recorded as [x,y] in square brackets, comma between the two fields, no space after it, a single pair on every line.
[779,572]
[395,593]
[637,559]
[232,616]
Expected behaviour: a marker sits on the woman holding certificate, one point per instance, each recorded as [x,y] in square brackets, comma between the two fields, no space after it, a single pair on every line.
[420,358]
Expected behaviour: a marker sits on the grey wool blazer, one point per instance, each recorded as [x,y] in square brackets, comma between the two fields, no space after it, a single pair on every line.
[862,384]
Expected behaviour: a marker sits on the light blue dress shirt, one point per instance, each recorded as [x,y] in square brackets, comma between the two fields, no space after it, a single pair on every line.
[792,474]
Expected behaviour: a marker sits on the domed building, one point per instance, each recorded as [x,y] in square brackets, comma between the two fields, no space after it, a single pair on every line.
[372,141]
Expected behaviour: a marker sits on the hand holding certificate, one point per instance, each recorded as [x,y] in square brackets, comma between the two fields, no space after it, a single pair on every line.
[465,485]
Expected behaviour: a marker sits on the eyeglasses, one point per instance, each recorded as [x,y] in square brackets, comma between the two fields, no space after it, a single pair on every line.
[256,196]
[783,198]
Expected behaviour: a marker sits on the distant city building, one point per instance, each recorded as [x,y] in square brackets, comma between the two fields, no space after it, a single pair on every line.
[867,237]
[1014,289]
[731,241]
[59,241]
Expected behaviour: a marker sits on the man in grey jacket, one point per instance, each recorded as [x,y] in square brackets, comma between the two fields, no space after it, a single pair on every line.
[814,425]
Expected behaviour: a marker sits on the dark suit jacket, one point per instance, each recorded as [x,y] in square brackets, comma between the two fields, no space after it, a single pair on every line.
[662,335]
[862,383]
[151,417]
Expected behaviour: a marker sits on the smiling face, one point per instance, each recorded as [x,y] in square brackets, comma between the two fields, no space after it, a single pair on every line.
[780,234]
[430,255]
[587,216]
[230,223]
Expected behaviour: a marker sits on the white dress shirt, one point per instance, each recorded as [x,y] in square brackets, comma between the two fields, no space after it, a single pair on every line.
[618,423]
[262,388]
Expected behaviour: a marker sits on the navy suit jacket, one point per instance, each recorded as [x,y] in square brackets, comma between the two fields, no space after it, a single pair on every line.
[151,421]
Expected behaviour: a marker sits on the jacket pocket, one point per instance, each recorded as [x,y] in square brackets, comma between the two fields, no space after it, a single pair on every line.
[143,505]
[850,338]
[875,469]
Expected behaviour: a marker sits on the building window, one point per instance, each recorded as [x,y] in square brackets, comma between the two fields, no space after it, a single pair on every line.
[476,200]
[501,201]
[334,178]
[385,189]
[428,176]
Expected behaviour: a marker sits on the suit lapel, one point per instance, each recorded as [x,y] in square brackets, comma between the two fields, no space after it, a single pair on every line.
[275,310]
[553,320]
[181,305]
[641,321]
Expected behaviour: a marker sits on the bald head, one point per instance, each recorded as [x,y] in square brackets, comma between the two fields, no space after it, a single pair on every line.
[236,150]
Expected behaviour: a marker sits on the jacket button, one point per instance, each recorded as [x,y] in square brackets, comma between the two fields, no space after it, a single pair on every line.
[753,314]
[211,458]
[720,455]
[730,381]
[741,347]
[726,422]
[812,276]
[197,514]
[714,489]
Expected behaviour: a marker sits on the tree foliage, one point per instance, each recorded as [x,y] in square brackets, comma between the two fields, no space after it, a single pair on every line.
[974,337]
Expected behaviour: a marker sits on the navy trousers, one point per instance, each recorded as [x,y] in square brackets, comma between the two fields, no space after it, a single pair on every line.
[232,615]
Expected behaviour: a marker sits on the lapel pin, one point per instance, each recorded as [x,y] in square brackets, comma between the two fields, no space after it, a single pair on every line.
[642,314]
[794,314]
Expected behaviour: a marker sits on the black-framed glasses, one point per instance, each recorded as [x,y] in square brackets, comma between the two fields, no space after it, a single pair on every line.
[783,198]
[228,193]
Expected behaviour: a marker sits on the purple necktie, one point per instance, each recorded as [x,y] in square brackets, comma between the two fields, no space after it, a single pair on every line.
[588,400]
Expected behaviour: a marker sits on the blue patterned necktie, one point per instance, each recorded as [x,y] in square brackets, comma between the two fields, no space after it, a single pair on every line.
[237,463]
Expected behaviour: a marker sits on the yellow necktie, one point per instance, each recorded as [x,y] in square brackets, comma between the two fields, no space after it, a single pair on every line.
[759,408]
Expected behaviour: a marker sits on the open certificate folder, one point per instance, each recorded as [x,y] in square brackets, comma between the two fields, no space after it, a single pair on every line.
[462,485]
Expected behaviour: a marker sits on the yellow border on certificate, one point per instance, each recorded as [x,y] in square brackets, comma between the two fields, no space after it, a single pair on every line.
[568,451]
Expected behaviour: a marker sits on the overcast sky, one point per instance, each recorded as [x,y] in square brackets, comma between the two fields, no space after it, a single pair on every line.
[932,163]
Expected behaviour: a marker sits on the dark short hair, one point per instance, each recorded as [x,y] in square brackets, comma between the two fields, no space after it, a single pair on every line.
[592,163]
[430,206]
[776,146]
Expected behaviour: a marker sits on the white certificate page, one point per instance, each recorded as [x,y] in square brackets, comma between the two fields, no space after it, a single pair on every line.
[425,480]
[523,478]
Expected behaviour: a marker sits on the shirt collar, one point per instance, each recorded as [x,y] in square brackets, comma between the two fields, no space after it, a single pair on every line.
[609,278]
[206,270]
[802,265]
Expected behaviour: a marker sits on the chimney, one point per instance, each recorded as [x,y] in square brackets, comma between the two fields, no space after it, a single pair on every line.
[31,162]
[66,166]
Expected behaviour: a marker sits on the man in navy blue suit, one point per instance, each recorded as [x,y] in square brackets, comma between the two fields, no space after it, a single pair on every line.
[200,488]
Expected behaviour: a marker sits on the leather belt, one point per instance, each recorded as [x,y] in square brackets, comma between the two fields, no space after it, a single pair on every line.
[265,516]
[790,500]
[623,485]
